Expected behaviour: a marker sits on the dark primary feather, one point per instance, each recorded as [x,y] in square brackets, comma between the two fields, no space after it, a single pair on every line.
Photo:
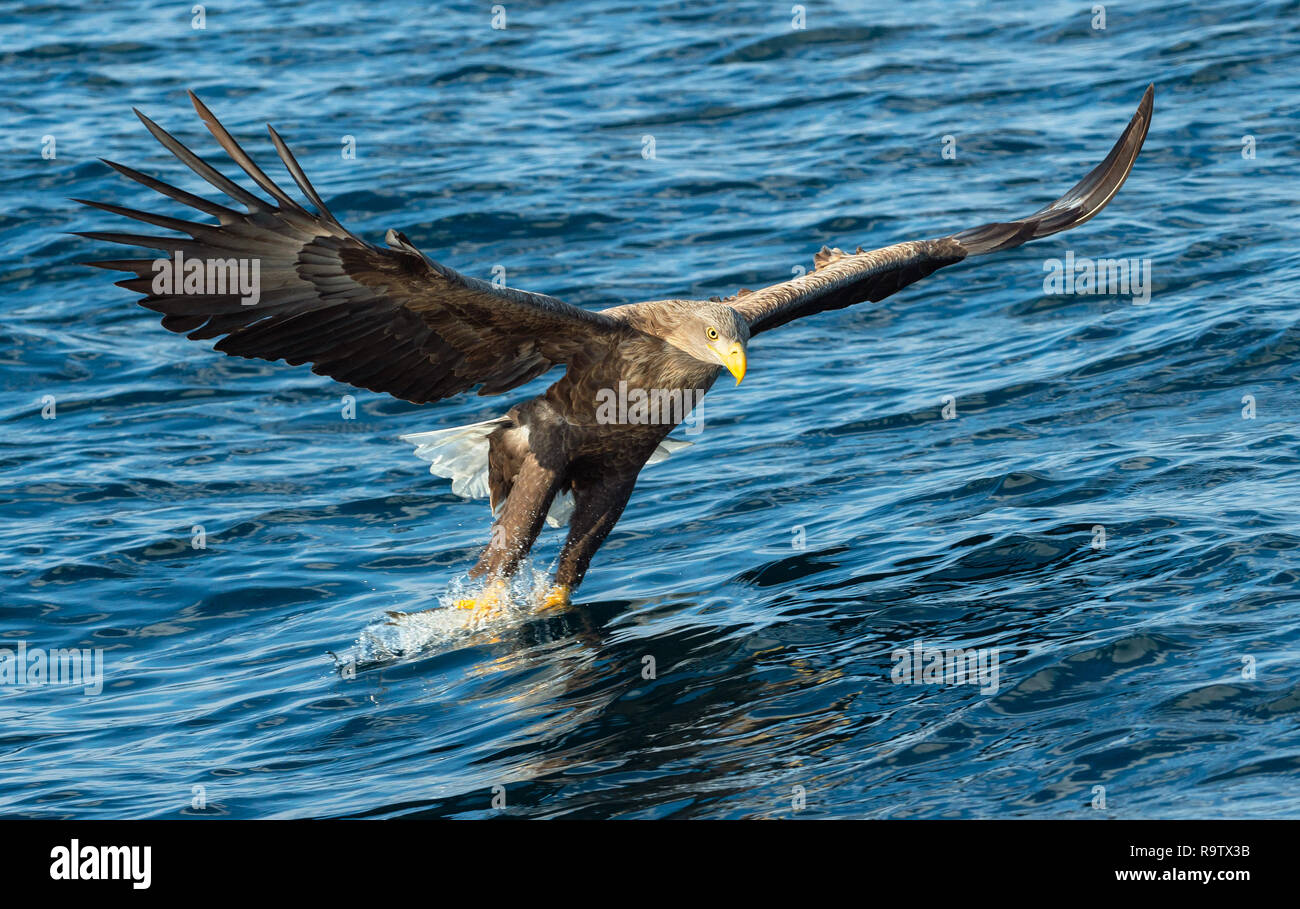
[388,320]
[842,279]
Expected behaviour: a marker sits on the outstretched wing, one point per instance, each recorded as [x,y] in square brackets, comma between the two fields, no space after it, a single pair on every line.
[388,320]
[842,279]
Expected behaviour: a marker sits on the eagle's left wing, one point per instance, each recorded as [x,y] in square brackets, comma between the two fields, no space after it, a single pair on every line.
[842,279]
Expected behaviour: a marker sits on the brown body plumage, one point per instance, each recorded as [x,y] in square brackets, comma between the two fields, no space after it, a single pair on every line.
[392,320]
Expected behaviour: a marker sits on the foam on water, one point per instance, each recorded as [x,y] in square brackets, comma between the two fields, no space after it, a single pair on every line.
[401,635]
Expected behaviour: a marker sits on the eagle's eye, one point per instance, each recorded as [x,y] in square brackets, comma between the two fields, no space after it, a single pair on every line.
[712,333]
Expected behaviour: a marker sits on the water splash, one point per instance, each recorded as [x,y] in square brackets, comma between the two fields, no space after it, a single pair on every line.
[401,635]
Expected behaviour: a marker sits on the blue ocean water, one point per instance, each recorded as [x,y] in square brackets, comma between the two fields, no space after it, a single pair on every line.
[1111,507]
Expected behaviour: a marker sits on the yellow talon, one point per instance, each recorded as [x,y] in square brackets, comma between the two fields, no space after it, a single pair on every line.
[556,598]
[492,597]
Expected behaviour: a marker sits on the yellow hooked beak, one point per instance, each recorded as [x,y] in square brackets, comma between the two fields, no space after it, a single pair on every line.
[734,359]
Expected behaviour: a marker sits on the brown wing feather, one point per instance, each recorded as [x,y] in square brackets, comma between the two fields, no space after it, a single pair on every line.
[843,279]
[388,320]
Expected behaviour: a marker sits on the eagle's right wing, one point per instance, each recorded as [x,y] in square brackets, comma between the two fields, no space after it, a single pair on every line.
[388,320]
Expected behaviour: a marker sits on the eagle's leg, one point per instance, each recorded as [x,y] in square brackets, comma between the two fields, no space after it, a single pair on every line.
[514,531]
[596,509]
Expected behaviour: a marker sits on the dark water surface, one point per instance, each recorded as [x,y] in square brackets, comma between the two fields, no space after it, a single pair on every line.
[1125,666]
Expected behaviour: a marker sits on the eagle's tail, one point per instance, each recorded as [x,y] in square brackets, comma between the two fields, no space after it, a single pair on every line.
[460,454]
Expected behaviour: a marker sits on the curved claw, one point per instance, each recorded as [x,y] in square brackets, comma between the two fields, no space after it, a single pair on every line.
[491,598]
[558,597]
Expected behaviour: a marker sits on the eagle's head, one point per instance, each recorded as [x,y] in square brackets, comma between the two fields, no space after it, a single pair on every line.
[712,333]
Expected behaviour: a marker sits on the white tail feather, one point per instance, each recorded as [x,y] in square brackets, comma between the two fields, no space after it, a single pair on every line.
[667,447]
[460,454]
[561,509]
